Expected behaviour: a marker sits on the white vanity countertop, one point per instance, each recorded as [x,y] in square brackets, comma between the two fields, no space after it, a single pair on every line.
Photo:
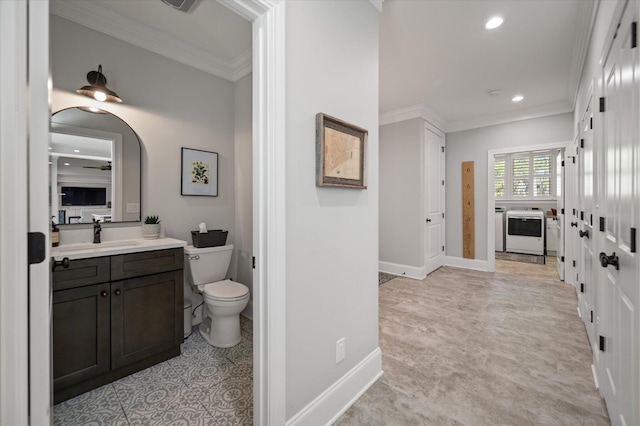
[109,248]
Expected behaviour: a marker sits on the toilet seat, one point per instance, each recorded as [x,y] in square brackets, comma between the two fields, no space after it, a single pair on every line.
[225,291]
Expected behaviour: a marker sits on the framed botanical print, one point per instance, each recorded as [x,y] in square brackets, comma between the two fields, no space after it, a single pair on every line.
[199,173]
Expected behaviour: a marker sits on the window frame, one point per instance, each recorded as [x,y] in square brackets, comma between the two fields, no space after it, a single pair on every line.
[531,176]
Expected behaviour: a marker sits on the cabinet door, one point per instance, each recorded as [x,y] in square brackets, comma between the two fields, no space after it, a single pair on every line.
[147,316]
[80,334]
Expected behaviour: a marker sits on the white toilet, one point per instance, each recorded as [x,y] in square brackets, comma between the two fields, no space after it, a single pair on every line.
[206,269]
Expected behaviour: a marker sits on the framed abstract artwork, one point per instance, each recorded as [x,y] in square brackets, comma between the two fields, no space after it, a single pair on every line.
[340,153]
[199,173]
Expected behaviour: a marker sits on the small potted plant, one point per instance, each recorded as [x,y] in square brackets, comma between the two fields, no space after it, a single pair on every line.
[151,228]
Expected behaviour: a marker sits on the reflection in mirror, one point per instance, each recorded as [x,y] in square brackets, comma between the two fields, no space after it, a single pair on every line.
[94,159]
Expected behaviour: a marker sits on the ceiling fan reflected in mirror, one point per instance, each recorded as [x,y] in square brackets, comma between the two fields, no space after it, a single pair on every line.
[105,167]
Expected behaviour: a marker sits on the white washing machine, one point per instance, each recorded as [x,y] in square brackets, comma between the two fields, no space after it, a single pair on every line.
[500,228]
[525,231]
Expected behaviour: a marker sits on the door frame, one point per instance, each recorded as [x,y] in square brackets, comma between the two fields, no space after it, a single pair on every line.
[491,198]
[269,206]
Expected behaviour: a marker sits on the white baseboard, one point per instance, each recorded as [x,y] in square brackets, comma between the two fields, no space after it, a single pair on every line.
[333,402]
[414,272]
[459,262]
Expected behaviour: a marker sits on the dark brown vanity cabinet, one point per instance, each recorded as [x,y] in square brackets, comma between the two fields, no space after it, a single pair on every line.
[113,316]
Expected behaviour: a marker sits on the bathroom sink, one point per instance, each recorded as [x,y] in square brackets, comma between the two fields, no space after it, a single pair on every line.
[99,246]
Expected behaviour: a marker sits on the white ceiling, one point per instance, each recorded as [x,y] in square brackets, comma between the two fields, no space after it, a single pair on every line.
[436,60]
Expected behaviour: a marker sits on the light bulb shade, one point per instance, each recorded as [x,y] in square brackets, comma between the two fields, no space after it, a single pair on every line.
[98,85]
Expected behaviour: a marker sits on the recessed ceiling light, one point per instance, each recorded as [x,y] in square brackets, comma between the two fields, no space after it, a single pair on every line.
[517,98]
[76,150]
[494,23]
[66,164]
[50,148]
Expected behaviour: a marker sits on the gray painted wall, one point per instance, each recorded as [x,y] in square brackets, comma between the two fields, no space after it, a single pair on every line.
[401,227]
[244,185]
[473,145]
[331,233]
[169,105]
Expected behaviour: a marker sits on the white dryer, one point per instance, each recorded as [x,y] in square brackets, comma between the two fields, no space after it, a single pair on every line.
[525,231]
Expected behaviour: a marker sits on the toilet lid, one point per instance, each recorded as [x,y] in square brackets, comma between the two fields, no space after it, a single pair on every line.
[226,290]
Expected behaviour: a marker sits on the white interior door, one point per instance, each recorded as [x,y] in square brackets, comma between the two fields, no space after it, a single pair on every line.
[434,199]
[571,215]
[560,206]
[40,394]
[618,316]
[585,225]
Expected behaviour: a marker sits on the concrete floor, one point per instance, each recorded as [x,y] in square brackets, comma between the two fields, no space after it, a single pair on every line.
[477,348]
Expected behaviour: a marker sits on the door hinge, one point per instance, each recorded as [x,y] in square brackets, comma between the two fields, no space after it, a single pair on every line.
[591,219]
[602,104]
[562,163]
[573,160]
[442,248]
[443,215]
[574,263]
[562,210]
[581,287]
[634,35]
[253,262]
[577,277]
[442,182]
[581,143]
[601,343]
[36,247]
[581,215]
[562,259]
[591,317]
[602,224]
[590,123]
[633,240]
[442,147]
[573,212]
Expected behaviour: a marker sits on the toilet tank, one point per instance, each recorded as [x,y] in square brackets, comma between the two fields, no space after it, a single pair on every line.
[211,265]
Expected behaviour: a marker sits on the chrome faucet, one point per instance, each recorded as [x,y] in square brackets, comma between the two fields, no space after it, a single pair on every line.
[96,231]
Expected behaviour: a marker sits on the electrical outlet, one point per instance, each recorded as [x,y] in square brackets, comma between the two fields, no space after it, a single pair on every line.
[340,344]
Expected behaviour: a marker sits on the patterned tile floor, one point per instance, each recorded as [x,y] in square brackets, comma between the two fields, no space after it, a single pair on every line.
[203,386]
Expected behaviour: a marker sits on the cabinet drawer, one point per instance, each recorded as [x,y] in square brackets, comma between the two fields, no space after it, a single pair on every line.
[146,263]
[82,272]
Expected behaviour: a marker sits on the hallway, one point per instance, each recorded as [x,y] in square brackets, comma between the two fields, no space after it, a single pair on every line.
[477,348]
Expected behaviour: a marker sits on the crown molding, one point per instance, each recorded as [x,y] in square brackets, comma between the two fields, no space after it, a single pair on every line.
[526,114]
[409,113]
[587,12]
[377,4]
[250,9]
[425,113]
[98,18]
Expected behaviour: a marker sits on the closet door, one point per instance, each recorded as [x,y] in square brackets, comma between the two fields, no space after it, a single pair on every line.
[434,199]
[619,259]
[586,289]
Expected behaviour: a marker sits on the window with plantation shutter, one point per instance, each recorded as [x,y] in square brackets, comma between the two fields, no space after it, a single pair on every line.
[520,176]
[501,173]
[526,176]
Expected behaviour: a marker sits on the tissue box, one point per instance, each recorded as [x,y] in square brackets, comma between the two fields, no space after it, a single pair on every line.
[214,238]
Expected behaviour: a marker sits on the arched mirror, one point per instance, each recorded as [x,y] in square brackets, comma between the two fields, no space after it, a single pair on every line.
[94,161]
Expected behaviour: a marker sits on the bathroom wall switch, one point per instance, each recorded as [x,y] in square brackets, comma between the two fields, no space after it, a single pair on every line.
[340,350]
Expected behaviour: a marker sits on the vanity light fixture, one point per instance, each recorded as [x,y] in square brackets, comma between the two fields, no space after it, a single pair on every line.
[97,88]
[493,23]
[517,98]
